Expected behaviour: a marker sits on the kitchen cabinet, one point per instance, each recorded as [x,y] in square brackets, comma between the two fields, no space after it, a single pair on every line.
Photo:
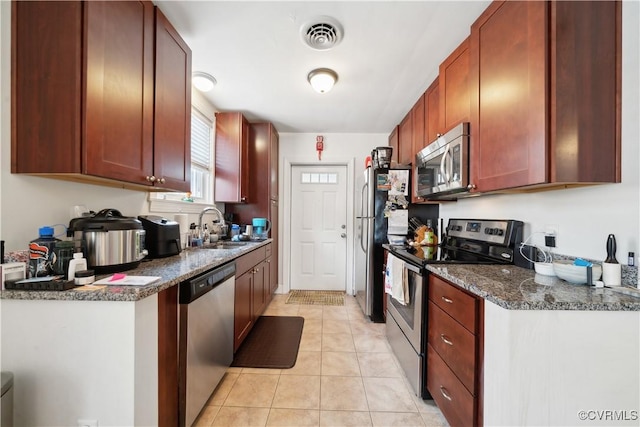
[253,290]
[417,138]
[172,118]
[454,352]
[232,158]
[405,140]
[262,202]
[394,144]
[453,88]
[432,112]
[545,95]
[83,79]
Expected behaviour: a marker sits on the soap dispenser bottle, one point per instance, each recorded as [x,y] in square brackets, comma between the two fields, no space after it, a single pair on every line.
[78,263]
[611,269]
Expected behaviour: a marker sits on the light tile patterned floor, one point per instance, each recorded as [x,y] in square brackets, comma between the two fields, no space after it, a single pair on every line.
[345,375]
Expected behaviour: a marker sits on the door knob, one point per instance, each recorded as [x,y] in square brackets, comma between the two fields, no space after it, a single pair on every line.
[343,235]
[343,226]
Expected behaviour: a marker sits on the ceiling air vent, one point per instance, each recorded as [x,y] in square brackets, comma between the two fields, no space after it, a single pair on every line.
[321,33]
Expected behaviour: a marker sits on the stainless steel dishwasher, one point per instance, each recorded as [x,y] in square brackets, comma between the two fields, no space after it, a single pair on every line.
[206,337]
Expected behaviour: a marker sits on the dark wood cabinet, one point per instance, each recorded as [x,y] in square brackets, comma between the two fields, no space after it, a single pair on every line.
[83,81]
[405,140]
[455,352]
[394,143]
[453,88]
[172,118]
[432,111]
[232,158]
[260,289]
[243,314]
[545,95]
[417,138]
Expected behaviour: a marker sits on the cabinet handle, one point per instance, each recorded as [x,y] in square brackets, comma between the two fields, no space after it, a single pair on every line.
[151,178]
[257,270]
[446,339]
[161,180]
[243,199]
[471,187]
[447,300]
[445,393]
[268,261]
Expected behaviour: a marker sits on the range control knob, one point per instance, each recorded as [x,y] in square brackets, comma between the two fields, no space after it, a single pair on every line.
[488,230]
[499,232]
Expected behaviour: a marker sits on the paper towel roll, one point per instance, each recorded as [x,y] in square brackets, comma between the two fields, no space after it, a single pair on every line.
[183,222]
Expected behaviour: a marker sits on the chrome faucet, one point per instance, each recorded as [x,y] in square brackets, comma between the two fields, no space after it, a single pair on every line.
[205,210]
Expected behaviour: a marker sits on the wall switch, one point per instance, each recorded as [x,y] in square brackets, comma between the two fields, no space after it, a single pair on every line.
[87,423]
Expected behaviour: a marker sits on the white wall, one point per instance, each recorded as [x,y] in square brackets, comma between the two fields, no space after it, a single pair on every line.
[300,148]
[584,216]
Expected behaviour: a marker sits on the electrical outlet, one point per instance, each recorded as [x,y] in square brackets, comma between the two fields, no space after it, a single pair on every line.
[87,423]
[551,230]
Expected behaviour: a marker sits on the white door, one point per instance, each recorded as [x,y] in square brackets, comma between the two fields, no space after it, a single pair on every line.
[319,227]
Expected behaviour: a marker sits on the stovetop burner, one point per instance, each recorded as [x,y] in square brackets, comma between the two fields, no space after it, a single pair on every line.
[468,242]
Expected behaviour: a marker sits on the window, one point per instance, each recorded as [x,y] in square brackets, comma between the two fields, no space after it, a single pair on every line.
[201,143]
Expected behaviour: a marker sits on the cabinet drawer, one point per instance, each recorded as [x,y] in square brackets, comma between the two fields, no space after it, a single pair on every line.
[455,302]
[453,399]
[268,249]
[455,345]
[250,260]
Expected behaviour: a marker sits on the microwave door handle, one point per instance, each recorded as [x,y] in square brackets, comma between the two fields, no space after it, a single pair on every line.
[450,166]
[445,169]
[442,168]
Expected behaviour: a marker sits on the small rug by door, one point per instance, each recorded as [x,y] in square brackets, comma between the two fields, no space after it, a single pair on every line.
[272,343]
[316,297]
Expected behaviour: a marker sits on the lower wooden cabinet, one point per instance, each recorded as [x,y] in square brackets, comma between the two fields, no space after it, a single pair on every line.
[253,290]
[455,351]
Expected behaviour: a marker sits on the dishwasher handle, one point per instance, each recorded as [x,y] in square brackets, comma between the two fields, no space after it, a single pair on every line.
[194,288]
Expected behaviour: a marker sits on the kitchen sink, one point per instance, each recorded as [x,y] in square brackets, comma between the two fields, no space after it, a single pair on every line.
[226,245]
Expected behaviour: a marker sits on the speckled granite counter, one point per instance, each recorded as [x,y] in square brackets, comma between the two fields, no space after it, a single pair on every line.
[516,288]
[172,270]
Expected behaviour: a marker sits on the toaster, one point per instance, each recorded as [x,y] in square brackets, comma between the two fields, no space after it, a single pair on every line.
[162,236]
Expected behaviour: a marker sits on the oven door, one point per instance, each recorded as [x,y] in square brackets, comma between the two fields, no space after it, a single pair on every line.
[409,317]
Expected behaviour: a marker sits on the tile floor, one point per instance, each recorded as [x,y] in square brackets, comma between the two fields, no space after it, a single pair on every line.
[345,375]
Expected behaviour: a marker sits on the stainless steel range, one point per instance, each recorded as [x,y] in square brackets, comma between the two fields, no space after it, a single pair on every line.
[467,241]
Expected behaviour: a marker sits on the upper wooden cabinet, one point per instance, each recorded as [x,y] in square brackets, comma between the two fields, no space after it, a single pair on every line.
[172,119]
[454,88]
[405,140]
[232,158]
[418,125]
[545,90]
[83,94]
[432,111]
[394,144]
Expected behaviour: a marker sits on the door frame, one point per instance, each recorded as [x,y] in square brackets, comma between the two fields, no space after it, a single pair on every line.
[286,218]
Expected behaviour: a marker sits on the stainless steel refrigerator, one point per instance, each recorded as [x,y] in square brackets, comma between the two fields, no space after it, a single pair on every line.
[372,200]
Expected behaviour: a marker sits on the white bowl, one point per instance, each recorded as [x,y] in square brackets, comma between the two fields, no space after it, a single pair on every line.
[574,273]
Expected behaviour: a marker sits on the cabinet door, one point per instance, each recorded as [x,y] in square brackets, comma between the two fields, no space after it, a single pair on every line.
[119,89]
[46,47]
[454,88]
[243,315]
[232,158]
[405,140]
[432,112]
[259,294]
[508,92]
[172,121]
[274,162]
[418,136]
[394,144]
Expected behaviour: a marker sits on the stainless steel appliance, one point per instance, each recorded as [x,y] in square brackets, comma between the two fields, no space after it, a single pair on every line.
[442,167]
[206,337]
[467,241]
[162,237]
[372,229]
[110,241]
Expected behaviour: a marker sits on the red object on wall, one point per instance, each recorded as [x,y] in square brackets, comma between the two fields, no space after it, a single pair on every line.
[319,145]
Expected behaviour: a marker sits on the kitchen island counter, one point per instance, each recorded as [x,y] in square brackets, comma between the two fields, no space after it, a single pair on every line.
[171,270]
[516,288]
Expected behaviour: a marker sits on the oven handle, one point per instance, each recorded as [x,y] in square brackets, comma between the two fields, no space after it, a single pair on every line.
[413,268]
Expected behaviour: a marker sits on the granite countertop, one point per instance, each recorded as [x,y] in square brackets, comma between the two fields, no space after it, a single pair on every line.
[517,288]
[172,270]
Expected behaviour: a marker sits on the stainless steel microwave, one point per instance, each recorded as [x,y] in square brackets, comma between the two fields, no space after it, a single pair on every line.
[442,167]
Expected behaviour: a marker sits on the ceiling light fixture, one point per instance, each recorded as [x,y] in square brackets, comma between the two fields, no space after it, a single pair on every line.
[202,81]
[322,79]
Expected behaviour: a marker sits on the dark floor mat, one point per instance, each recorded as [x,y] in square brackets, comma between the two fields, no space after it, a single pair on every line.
[272,343]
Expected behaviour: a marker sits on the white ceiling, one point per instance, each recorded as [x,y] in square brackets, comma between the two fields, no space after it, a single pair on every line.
[389,55]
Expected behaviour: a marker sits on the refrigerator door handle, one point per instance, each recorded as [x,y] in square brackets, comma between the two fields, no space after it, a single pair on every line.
[362,234]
